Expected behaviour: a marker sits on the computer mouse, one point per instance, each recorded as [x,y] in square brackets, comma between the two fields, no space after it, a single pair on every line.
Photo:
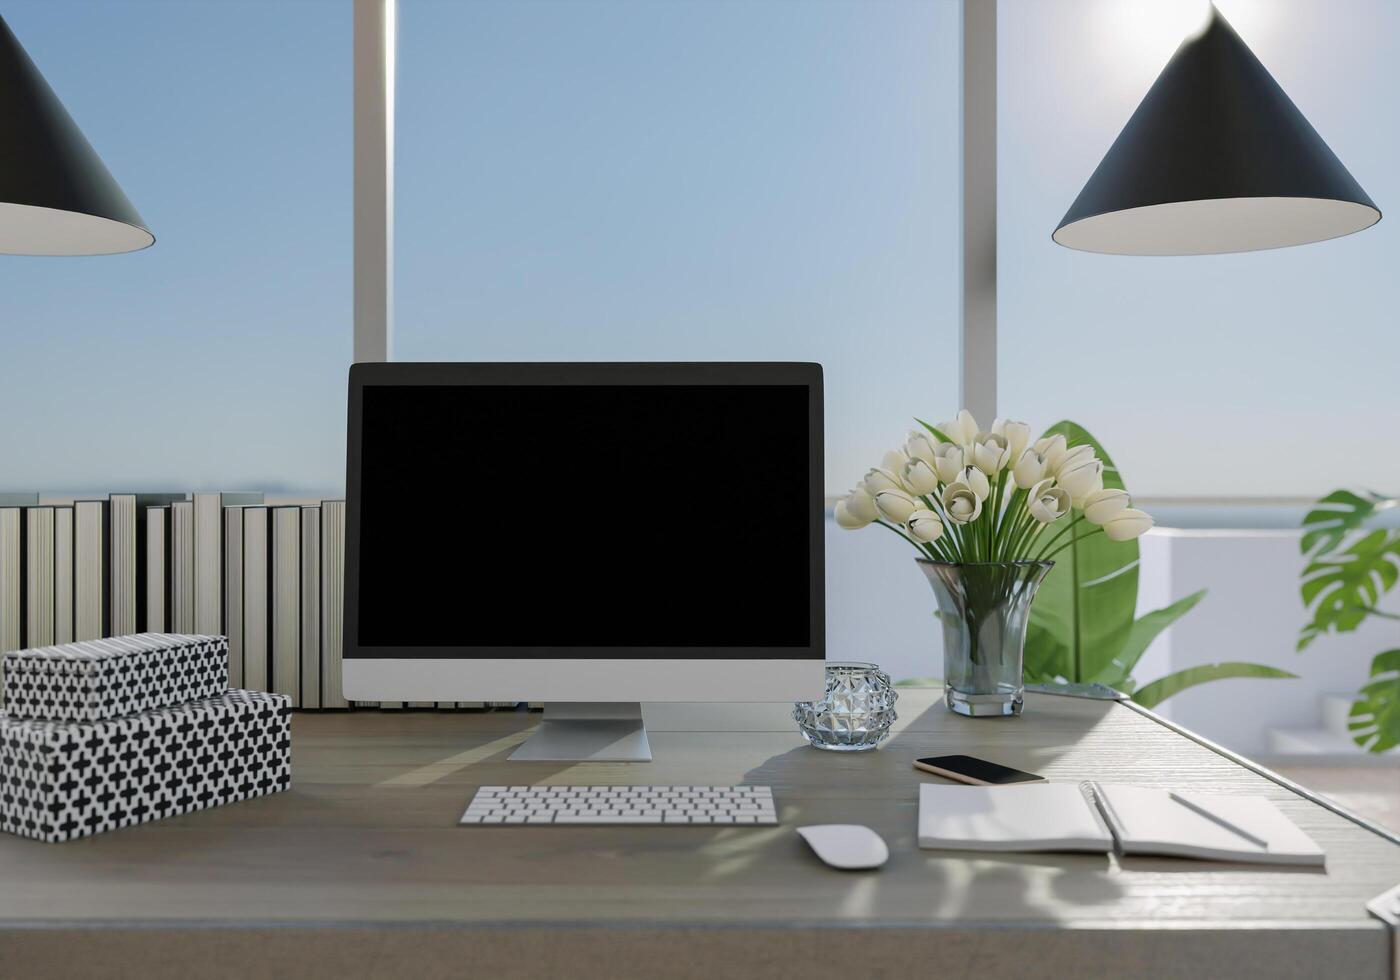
[847,846]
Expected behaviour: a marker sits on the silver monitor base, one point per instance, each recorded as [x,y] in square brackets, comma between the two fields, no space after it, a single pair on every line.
[587,732]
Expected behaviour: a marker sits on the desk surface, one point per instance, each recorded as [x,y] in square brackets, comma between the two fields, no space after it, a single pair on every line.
[362,860]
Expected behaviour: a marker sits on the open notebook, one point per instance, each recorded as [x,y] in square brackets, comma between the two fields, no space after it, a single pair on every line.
[1102,817]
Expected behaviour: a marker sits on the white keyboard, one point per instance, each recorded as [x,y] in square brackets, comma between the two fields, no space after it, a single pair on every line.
[621,805]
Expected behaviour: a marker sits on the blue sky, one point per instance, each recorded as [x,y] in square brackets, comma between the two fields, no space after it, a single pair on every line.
[600,180]
[217,357]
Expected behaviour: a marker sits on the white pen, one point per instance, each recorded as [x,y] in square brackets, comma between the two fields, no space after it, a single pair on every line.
[1217,819]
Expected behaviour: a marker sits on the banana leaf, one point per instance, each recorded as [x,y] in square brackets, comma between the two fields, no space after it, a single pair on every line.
[1151,695]
[1084,610]
[1144,630]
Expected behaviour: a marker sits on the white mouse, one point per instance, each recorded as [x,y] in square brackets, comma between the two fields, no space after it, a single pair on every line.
[847,846]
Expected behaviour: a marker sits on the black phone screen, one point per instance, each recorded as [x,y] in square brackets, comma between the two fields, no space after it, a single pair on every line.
[981,770]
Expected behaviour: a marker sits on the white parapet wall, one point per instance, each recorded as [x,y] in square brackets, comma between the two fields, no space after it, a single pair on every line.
[880,608]
[1251,613]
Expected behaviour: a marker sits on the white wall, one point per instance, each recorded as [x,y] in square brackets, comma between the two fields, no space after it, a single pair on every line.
[1251,613]
[880,608]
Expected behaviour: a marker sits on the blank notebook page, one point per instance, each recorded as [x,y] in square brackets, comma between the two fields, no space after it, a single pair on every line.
[1150,822]
[1040,817]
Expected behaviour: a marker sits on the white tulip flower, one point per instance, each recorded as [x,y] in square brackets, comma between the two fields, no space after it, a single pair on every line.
[1070,458]
[948,460]
[1052,448]
[1029,469]
[845,519]
[861,505]
[1047,502]
[894,461]
[1127,524]
[990,453]
[920,477]
[1018,435]
[960,504]
[1101,506]
[975,480]
[962,430]
[922,445]
[877,479]
[895,505]
[925,526]
[1081,478]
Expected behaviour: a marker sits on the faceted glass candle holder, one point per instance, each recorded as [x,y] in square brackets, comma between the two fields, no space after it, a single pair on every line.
[856,713]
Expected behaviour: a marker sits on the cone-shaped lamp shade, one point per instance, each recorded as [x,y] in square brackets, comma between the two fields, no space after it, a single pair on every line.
[56,196]
[1217,158]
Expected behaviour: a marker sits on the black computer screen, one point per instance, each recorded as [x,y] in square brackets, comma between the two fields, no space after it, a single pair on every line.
[577,517]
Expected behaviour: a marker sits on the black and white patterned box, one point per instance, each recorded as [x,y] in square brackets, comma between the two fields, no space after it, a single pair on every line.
[61,780]
[99,679]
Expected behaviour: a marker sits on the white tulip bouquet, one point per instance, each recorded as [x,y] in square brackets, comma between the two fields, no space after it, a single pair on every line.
[962,495]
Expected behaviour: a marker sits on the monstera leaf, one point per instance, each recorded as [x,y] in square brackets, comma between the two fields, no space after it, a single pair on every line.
[1335,516]
[1084,610]
[1375,717]
[1341,588]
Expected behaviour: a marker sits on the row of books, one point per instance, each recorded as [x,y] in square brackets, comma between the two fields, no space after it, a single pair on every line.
[269,577]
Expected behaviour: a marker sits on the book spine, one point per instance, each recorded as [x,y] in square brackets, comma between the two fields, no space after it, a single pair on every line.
[233,593]
[256,598]
[90,555]
[332,602]
[63,574]
[208,564]
[156,550]
[39,575]
[286,602]
[181,563]
[121,561]
[311,607]
[11,579]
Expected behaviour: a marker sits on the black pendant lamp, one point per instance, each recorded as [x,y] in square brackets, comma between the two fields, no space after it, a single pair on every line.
[56,196]
[1216,158]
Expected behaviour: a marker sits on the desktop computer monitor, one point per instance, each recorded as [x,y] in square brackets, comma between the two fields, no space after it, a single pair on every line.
[586,535]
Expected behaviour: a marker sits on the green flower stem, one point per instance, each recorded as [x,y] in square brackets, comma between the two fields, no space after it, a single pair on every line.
[1073,541]
[1059,534]
[941,545]
[1026,529]
[1011,522]
[1021,531]
[906,537]
[953,544]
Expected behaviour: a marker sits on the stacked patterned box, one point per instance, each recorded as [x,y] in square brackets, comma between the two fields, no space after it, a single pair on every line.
[107,733]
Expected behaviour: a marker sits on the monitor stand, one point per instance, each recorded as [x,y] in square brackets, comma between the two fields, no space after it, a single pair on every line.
[584,731]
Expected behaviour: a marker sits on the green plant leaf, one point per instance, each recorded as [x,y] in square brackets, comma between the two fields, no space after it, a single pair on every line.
[933,431]
[1153,694]
[1335,516]
[1084,610]
[1375,717]
[1144,630]
[1343,588]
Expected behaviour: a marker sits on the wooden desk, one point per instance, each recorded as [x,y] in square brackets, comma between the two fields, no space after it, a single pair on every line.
[360,869]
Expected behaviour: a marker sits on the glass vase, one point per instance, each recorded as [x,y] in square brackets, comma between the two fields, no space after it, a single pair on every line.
[985,608]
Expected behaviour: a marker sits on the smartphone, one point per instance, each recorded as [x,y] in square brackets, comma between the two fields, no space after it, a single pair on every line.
[978,772]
